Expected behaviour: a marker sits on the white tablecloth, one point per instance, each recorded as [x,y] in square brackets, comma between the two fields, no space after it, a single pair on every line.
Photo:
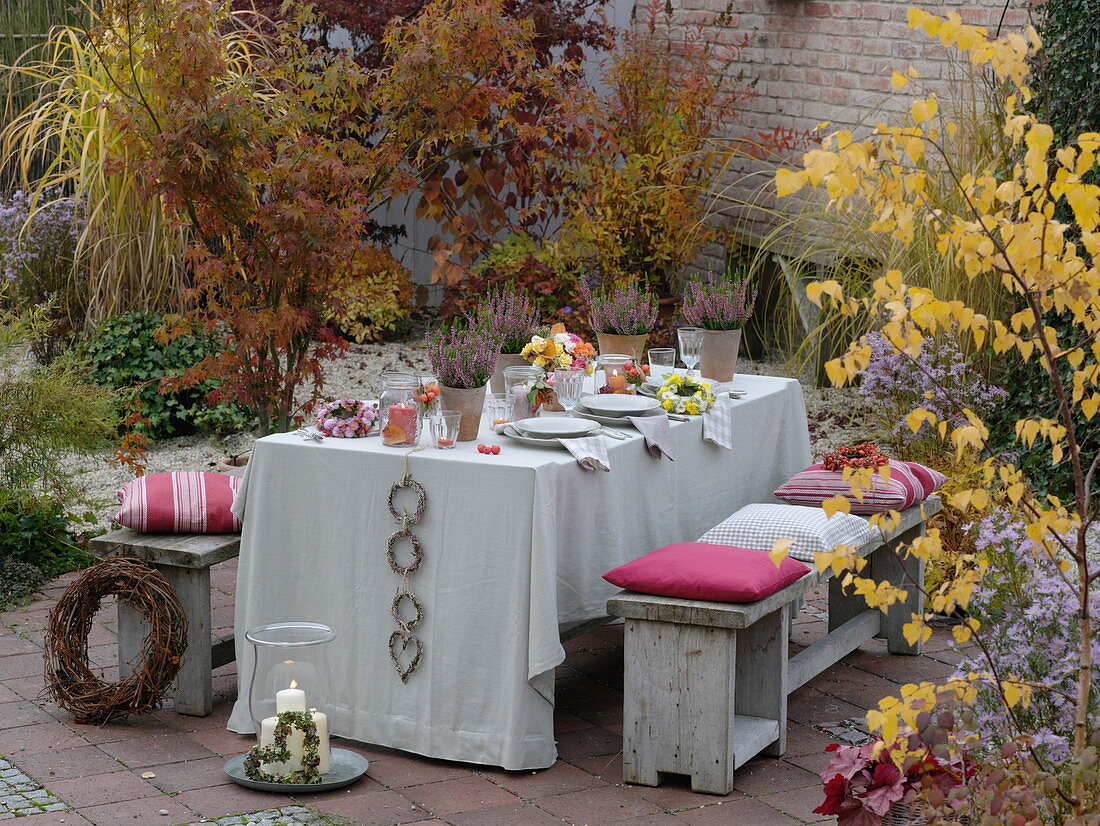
[515,544]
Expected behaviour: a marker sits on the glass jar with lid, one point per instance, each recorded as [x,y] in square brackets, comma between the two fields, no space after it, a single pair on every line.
[398,409]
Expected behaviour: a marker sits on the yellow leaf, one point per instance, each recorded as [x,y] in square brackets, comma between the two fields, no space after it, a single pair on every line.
[836,503]
[898,80]
[1090,405]
[924,110]
[788,181]
[780,550]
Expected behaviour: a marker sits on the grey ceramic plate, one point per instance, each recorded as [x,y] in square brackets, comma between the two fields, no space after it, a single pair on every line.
[512,433]
[347,767]
[584,412]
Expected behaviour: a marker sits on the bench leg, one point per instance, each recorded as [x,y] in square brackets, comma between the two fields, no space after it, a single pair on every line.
[192,693]
[678,704]
[902,571]
[843,606]
[762,677]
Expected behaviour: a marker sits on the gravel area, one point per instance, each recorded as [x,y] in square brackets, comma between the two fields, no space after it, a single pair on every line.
[835,417]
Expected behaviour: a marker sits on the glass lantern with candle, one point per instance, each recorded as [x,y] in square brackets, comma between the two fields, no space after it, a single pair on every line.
[615,375]
[518,383]
[290,673]
[399,411]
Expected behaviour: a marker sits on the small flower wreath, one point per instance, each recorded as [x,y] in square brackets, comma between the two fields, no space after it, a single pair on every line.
[346,418]
[686,394]
[278,752]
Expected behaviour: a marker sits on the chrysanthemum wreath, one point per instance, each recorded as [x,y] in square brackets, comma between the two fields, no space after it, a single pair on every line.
[346,418]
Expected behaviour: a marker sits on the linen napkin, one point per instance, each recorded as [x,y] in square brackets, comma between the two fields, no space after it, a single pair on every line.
[590,452]
[657,433]
[718,423]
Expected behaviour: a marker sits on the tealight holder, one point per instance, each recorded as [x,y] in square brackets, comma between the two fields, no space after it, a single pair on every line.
[615,379]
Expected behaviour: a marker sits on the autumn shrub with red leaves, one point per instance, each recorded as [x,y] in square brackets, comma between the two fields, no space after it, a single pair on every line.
[274,153]
[862,783]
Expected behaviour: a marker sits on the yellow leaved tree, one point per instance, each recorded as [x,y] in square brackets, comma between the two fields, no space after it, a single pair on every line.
[1033,227]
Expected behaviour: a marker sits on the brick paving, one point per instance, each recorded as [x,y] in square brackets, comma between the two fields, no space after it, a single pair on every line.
[95,773]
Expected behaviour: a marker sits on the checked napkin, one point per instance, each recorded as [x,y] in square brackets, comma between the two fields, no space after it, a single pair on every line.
[590,452]
[657,433]
[718,423]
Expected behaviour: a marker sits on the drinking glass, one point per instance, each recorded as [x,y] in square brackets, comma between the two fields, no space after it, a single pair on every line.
[662,361]
[499,408]
[568,387]
[445,428]
[691,346]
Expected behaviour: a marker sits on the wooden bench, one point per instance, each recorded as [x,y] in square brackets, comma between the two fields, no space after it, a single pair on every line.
[184,560]
[706,683]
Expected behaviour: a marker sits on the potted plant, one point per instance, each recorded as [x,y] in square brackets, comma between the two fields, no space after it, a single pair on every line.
[621,317]
[720,305]
[463,356]
[512,318]
[864,784]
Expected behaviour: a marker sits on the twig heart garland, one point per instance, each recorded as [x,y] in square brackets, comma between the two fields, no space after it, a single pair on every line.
[278,752]
[404,519]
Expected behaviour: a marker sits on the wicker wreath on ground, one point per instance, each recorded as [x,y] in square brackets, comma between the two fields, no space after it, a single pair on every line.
[70,681]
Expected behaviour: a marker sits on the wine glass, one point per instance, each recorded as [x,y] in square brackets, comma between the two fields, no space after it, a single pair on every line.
[568,386]
[691,346]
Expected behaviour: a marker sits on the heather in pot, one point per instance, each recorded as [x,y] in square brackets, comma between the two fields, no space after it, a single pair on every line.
[622,318]
[720,305]
[719,302]
[463,356]
[512,317]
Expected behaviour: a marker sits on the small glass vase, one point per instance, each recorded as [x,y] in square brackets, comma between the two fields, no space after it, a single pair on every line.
[615,378]
[398,409]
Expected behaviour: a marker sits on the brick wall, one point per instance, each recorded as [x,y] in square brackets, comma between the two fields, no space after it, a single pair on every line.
[821,61]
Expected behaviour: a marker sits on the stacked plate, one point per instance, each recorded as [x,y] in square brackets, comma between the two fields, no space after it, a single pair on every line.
[615,408]
[547,432]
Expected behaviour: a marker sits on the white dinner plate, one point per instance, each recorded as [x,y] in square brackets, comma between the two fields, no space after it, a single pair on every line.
[618,404]
[515,435]
[584,412]
[555,427]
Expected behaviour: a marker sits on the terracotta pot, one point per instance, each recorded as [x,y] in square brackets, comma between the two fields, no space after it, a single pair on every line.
[471,402]
[633,346]
[718,359]
[667,307]
[496,382]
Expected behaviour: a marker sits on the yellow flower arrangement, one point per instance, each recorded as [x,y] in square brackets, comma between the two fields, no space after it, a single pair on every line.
[685,394]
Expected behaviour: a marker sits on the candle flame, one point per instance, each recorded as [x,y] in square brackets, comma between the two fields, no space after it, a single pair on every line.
[313,711]
[293,683]
[288,662]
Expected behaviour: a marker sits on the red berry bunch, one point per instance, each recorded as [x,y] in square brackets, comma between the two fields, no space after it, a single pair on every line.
[862,455]
[490,449]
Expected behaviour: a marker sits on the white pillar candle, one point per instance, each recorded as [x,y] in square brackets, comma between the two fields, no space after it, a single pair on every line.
[324,752]
[295,743]
[290,699]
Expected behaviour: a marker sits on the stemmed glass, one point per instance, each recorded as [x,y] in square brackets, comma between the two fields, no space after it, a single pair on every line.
[691,346]
[568,387]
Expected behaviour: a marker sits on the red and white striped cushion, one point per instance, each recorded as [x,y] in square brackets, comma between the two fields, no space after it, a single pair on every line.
[909,483]
[182,502]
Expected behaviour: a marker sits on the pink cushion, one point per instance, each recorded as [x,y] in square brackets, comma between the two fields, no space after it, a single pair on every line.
[696,570]
[909,483]
[187,502]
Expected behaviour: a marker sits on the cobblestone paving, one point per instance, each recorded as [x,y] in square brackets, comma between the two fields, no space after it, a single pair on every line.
[286,816]
[19,795]
[847,731]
